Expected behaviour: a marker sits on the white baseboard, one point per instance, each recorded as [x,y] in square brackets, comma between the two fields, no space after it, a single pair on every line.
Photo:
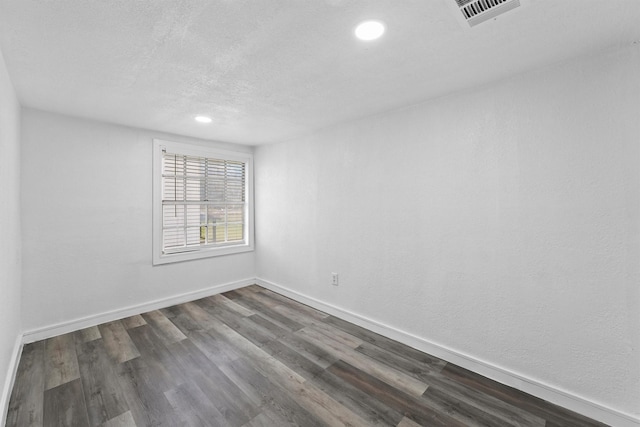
[85,322]
[521,382]
[11,379]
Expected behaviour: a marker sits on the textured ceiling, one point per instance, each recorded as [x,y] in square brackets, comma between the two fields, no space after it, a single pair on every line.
[272,70]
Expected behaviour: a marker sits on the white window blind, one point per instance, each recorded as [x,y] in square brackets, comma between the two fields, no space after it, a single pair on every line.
[204,202]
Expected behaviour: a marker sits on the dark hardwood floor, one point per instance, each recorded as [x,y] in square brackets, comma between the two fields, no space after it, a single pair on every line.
[251,357]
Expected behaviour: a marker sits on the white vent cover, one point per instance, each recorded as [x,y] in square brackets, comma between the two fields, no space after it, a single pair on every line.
[475,12]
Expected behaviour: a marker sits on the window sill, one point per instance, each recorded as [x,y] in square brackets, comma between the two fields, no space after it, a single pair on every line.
[159,259]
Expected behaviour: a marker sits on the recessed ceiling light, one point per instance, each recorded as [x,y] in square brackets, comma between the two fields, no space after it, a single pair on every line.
[369,30]
[203,119]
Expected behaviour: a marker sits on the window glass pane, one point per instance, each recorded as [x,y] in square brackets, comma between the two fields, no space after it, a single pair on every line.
[215,189]
[235,182]
[173,188]
[193,215]
[194,189]
[221,235]
[193,236]
[173,237]
[235,191]
[171,164]
[194,166]
[216,168]
[235,170]
[216,214]
[208,234]
[235,232]
[235,213]
[172,216]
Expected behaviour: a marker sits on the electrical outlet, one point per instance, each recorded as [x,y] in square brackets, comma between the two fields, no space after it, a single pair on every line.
[334,279]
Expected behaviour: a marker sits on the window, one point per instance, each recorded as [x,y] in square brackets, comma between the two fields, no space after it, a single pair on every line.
[202,202]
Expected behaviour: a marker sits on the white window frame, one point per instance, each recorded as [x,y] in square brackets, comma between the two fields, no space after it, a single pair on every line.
[201,151]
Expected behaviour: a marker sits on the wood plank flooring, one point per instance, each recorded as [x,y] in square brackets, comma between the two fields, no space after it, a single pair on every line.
[254,358]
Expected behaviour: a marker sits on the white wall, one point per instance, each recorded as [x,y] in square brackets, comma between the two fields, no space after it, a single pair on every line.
[86,214]
[502,223]
[10,271]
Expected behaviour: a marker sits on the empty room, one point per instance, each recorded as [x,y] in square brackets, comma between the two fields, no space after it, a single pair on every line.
[255,213]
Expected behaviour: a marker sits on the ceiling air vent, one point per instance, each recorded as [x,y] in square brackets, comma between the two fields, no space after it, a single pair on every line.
[475,12]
